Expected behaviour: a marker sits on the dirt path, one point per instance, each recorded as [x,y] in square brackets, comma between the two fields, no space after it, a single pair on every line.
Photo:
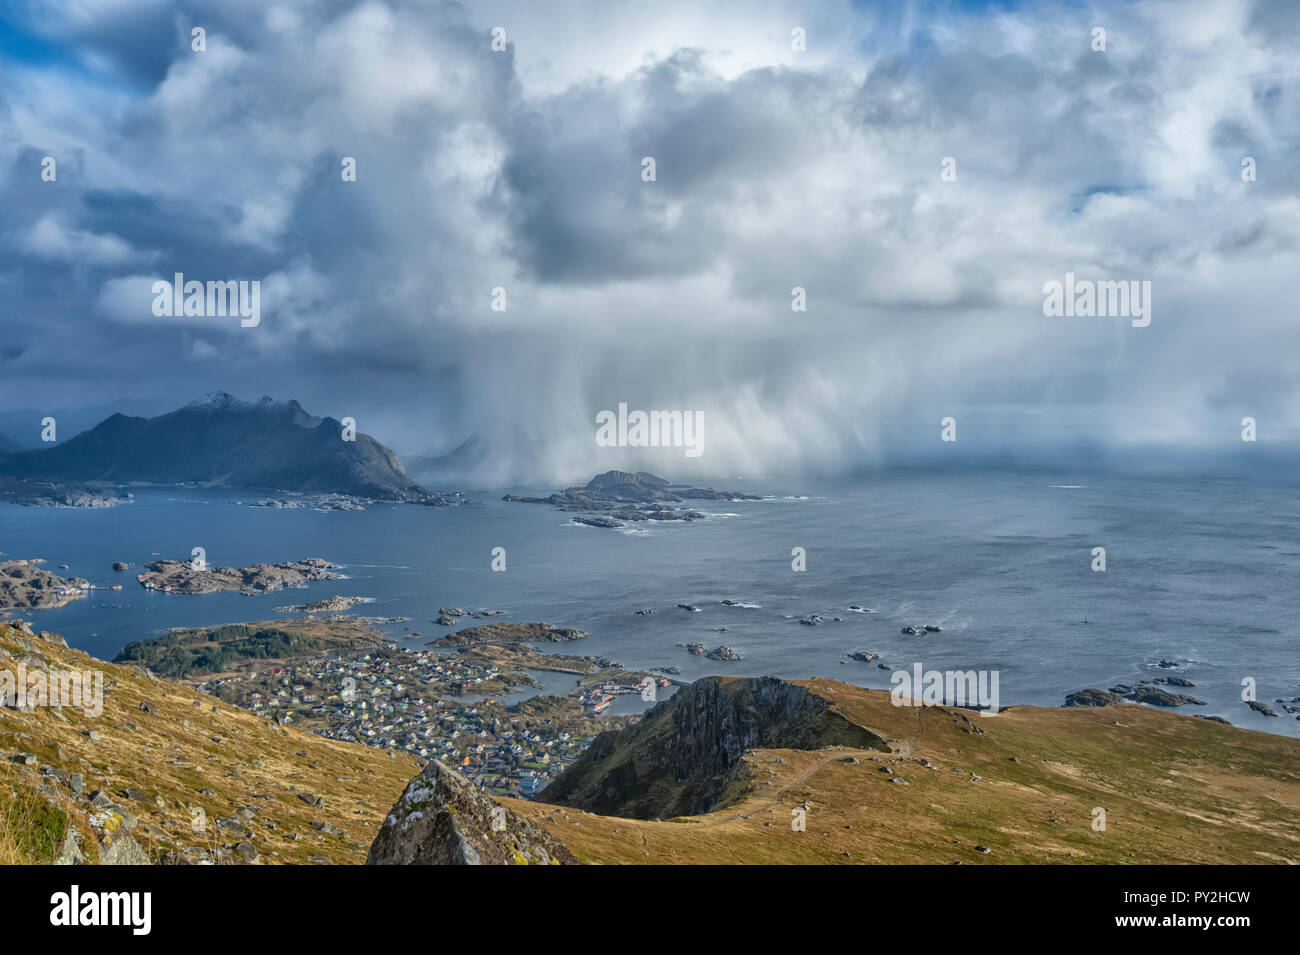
[771,800]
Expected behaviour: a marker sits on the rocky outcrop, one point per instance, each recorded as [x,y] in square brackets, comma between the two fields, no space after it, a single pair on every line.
[1147,693]
[442,819]
[502,633]
[685,756]
[182,577]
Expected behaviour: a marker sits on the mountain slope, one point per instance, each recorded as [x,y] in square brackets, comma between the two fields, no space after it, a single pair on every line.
[181,775]
[686,756]
[220,440]
[1023,785]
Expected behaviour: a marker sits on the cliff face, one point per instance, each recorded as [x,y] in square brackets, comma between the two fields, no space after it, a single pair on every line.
[684,758]
[441,819]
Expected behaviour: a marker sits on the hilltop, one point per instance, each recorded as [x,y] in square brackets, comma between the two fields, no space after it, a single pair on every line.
[133,783]
[220,440]
[935,784]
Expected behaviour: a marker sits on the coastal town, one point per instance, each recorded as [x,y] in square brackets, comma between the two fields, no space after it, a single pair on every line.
[449,706]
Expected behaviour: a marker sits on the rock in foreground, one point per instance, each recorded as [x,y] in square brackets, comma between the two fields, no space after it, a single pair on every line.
[441,819]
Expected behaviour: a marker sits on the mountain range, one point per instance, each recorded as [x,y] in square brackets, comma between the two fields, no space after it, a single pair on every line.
[223,441]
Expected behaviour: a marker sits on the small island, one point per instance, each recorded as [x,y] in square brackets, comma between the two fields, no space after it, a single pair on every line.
[506,633]
[613,497]
[26,586]
[185,577]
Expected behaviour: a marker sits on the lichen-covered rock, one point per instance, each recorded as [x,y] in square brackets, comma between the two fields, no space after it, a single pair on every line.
[442,819]
[120,849]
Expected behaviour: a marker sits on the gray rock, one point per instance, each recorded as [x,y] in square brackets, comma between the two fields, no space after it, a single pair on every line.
[70,851]
[246,851]
[121,849]
[1158,697]
[442,819]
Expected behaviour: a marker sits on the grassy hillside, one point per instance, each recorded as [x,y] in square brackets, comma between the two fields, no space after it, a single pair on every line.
[1176,789]
[192,752]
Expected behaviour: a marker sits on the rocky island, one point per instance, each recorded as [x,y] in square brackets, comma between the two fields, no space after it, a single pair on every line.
[616,496]
[328,605]
[505,633]
[56,494]
[24,585]
[186,577]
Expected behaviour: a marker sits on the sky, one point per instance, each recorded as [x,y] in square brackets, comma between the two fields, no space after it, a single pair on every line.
[776,168]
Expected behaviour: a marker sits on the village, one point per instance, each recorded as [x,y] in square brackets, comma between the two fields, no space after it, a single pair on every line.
[439,705]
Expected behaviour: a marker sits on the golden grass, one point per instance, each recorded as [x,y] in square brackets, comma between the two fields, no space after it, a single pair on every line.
[1175,789]
[193,742]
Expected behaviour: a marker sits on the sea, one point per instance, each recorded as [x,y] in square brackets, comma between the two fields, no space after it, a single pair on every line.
[1201,573]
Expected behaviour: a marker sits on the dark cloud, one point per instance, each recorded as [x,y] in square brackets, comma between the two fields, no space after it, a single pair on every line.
[522,170]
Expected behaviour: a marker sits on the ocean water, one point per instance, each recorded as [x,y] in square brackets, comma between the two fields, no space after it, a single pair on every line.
[1202,572]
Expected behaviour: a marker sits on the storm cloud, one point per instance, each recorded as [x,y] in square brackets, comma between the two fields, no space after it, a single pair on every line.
[775,169]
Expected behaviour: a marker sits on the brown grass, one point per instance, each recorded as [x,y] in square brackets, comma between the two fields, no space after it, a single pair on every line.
[1175,789]
[186,747]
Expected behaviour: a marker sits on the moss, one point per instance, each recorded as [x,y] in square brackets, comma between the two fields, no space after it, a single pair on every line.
[38,828]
